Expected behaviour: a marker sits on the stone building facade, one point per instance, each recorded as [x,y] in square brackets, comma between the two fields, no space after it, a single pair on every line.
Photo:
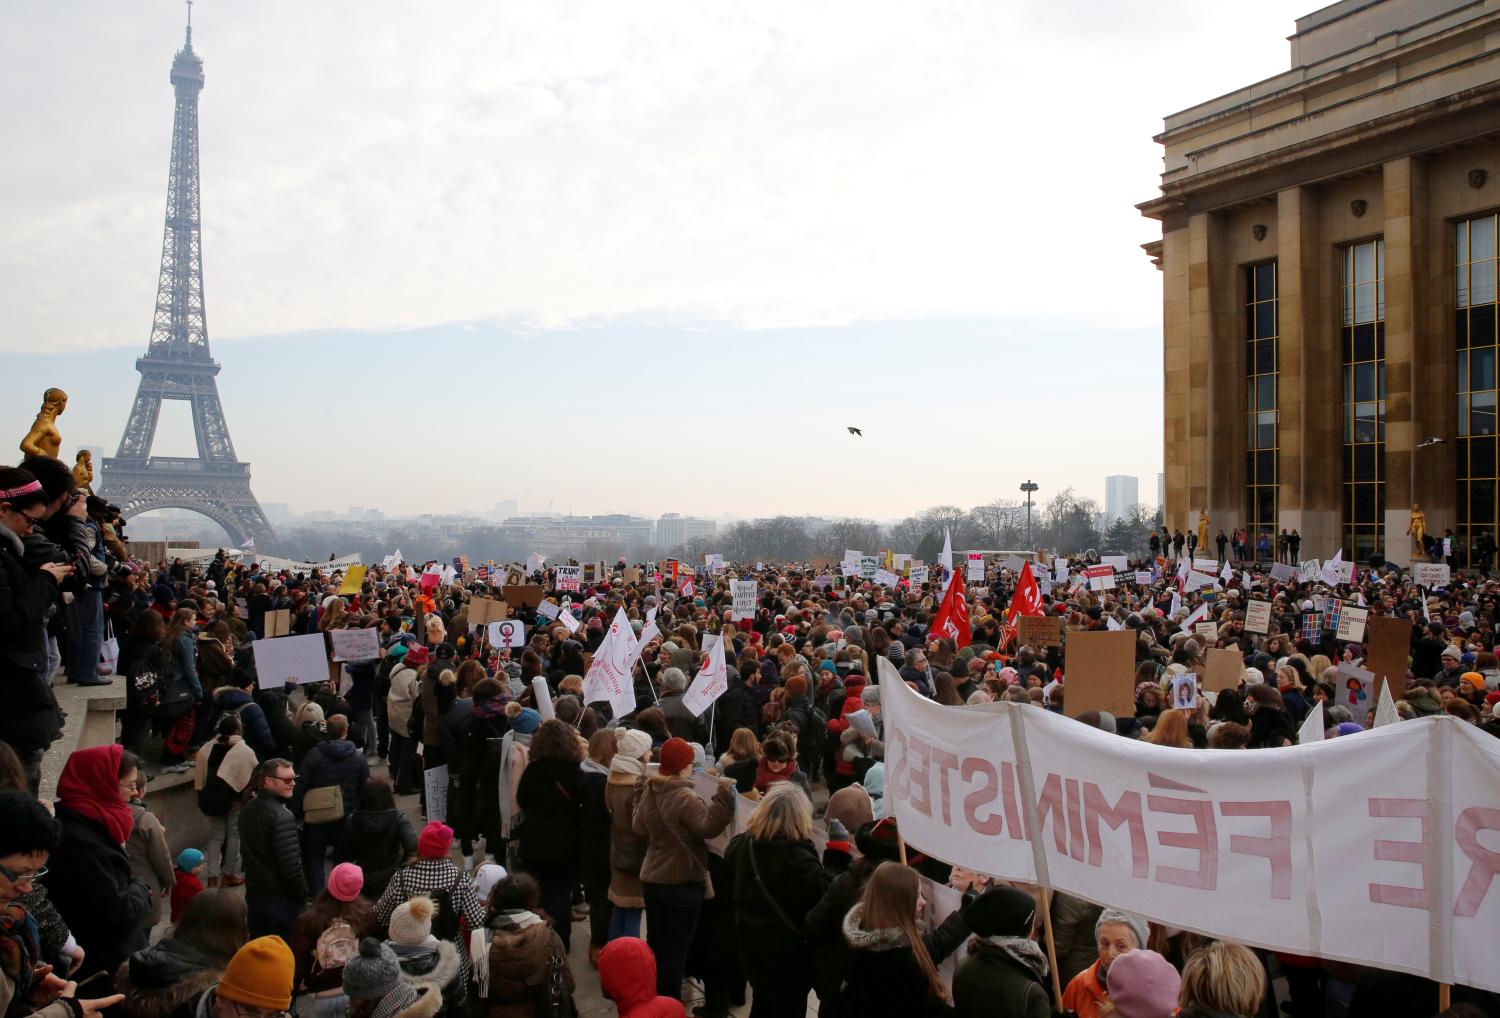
[1328,258]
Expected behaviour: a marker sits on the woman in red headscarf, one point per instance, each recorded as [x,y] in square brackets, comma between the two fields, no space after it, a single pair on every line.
[88,877]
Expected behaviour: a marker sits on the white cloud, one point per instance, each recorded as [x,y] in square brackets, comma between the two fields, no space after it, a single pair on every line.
[381,164]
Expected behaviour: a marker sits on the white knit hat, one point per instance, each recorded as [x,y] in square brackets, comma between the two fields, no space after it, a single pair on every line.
[632,743]
[411,922]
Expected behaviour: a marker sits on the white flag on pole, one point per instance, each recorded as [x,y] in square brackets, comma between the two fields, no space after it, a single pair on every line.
[1199,614]
[712,679]
[1385,708]
[1312,726]
[649,631]
[609,675]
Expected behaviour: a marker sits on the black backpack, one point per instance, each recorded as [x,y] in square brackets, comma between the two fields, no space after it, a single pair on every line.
[216,799]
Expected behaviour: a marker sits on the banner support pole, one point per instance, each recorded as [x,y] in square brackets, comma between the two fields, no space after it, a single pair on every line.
[1051,945]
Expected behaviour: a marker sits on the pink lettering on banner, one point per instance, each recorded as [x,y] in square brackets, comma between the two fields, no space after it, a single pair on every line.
[1048,803]
[1277,848]
[1126,810]
[1075,820]
[1486,864]
[1008,799]
[1414,852]
[920,795]
[1203,839]
[895,775]
[984,795]
[944,761]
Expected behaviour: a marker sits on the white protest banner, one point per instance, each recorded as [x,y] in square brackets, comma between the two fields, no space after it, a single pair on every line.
[886,578]
[712,679]
[436,781]
[1282,572]
[1431,574]
[568,619]
[1294,849]
[570,577]
[849,569]
[976,567]
[1143,578]
[290,659]
[1119,563]
[392,561]
[547,610]
[355,644]
[1100,577]
[276,565]
[609,674]
[1258,617]
[543,697]
[507,633]
[1197,580]
[868,565]
[743,592]
[1352,623]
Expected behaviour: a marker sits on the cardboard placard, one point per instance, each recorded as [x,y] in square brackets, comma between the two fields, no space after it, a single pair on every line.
[353,580]
[1431,574]
[278,623]
[1352,622]
[527,595]
[292,659]
[1100,671]
[355,644]
[1388,648]
[632,574]
[484,610]
[1207,630]
[1258,617]
[1039,630]
[1225,666]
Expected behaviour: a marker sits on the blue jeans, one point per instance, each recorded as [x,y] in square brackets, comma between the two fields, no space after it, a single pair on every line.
[624,922]
[85,634]
[317,839]
[671,917]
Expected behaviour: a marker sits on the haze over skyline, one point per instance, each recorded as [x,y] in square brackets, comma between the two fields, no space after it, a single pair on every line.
[620,258]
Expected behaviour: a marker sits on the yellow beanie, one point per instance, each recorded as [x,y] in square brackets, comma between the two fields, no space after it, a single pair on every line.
[260,975]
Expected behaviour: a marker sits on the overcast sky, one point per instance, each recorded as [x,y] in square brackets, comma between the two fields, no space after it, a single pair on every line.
[640,255]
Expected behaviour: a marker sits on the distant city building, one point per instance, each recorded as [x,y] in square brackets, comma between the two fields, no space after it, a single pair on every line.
[1122,493]
[673,530]
[506,508]
[356,511]
[277,512]
[561,536]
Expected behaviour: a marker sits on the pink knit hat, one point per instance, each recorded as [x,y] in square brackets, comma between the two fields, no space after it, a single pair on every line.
[346,881]
[1143,984]
[435,841]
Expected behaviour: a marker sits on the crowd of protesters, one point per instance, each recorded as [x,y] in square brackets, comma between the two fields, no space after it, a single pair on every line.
[315,891]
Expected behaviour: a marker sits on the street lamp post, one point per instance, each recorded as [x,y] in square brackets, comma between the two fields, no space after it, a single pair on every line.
[1028,487]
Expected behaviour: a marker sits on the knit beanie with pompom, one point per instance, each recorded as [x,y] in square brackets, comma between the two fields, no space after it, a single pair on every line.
[411,922]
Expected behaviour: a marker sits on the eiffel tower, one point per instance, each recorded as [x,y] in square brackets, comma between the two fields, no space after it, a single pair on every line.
[178,365]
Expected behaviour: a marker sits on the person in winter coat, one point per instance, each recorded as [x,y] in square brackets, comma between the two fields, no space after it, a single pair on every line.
[892,965]
[776,879]
[1270,724]
[314,934]
[479,752]
[735,708]
[31,720]
[237,699]
[676,823]
[681,722]
[1073,921]
[427,963]
[517,956]
[275,882]
[627,849]
[594,848]
[1115,932]
[160,979]
[89,877]
[405,688]
[215,656]
[1222,980]
[336,763]
[309,729]
[377,837]
[222,771]
[550,797]
[627,975]
[451,890]
[510,760]
[183,692]
[150,859]
[144,666]
[1005,970]
[372,982]
[778,764]
[273,703]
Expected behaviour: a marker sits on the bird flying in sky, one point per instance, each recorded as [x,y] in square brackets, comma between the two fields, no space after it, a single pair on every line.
[856,431]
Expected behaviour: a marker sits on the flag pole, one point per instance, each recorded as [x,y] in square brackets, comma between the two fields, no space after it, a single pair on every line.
[1445,992]
[1051,944]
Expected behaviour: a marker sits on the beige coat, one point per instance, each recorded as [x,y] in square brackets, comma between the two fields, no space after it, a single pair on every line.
[405,688]
[619,798]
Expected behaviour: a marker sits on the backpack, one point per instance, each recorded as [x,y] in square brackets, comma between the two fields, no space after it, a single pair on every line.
[335,946]
[774,709]
[143,688]
[216,798]
[445,917]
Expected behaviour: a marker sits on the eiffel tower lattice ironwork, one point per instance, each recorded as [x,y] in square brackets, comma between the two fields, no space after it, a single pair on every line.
[177,364]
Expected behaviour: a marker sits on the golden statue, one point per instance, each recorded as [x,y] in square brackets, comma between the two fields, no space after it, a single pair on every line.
[83,471]
[1202,528]
[44,439]
[1418,527]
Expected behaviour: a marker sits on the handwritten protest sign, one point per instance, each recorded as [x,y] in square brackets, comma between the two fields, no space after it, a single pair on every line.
[1206,630]
[886,578]
[355,644]
[1431,574]
[1100,577]
[1257,617]
[918,576]
[1039,630]
[1282,572]
[1352,623]
[569,577]
[1230,845]
[976,567]
[290,659]
[868,564]
[547,609]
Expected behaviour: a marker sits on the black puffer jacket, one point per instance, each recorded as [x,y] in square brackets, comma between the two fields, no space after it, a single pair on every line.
[773,944]
[379,842]
[159,979]
[90,882]
[550,795]
[335,762]
[271,852]
[30,720]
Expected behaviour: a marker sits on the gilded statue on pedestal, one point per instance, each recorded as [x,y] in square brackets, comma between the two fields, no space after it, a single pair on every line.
[44,439]
[1418,528]
[83,471]
[1202,528]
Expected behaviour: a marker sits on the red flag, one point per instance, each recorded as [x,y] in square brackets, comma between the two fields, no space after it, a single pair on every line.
[1027,599]
[952,619]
